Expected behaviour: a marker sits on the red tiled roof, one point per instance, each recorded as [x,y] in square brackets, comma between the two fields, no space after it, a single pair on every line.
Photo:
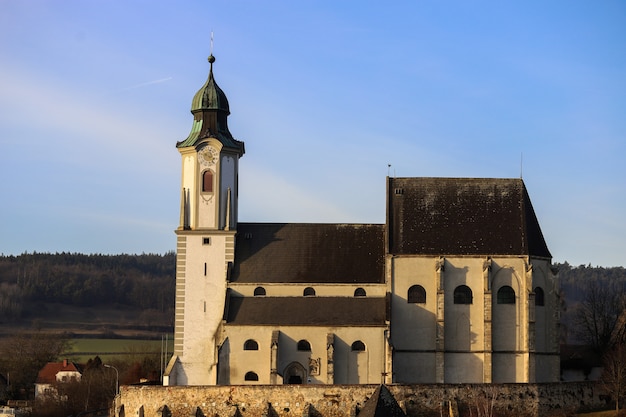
[48,374]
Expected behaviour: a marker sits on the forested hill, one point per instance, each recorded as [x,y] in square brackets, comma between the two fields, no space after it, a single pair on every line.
[575,280]
[592,303]
[145,282]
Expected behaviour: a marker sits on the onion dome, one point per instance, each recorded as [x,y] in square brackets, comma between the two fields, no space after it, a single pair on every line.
[210,116]
[210,96]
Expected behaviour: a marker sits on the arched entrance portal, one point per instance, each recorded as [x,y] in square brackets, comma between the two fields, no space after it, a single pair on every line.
[294,373]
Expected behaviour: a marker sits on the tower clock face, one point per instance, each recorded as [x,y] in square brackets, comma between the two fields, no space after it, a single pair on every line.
[208,155]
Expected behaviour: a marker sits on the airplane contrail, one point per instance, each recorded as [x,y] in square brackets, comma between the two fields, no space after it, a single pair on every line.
[162,80]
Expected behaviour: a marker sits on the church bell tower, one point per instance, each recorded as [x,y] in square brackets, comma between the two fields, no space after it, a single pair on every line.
[205,236]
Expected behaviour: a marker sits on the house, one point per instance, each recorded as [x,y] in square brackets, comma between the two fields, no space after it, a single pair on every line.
[53,373]
[455,287]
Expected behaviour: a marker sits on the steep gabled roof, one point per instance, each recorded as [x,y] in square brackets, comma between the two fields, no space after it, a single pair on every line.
[462,216]
[309,311]
[381,404]
[48,374]
[315,253]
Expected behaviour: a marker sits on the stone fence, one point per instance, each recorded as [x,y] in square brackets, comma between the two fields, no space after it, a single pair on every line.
[519,400]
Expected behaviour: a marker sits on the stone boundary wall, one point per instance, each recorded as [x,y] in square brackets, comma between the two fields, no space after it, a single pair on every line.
[518,400]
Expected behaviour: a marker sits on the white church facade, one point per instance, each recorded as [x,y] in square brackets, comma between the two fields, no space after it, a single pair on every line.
[456,286]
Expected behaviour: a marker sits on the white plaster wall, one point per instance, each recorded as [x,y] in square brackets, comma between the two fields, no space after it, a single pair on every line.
[189,184]
[373,359]
[368,365]
[228,179]
[545,322]
[547,362]
[464,324]
[207,202]
[509,367]
[68,375]
[203,303]
[203,207]
[296,290]
[413,326]
[413,367]
[463,367]
[508,330]
[510,323]
[237,361]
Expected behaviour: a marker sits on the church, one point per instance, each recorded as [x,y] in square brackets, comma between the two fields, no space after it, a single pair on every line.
[456,287]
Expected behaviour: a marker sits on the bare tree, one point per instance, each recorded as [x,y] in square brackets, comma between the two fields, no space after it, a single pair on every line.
[598,318]
[485,403]
[24,354]
[614,375]
[94,390]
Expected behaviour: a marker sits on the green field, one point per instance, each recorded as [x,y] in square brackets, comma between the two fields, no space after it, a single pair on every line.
[115,349]
[609,413]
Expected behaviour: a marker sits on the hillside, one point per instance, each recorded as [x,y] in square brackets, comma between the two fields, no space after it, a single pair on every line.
[90,295]
[133,295]
[579,286]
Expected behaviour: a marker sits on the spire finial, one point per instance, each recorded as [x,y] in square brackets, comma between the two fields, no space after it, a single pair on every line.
[211,57]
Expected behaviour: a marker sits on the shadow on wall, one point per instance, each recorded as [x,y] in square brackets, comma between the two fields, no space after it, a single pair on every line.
[223,363]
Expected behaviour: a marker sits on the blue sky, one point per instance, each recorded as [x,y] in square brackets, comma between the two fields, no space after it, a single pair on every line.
[94,95]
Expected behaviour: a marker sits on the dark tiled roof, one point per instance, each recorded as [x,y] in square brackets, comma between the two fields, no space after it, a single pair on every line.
[299,253]
[462,216]
[310,311]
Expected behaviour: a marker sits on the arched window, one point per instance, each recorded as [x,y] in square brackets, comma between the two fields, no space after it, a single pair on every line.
[251,345]
[259,291]
[251,376]
[539,297]
[506,295]
[360,292]
[207,181]
[304,346]
[463,295]
[308,291]
[416,294]
[358,346]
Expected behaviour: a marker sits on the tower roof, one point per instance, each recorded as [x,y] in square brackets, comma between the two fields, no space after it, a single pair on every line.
[210,111]
[210,96]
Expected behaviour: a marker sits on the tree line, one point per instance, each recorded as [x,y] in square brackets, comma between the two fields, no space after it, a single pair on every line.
[145,281]
[594,314]
[23,355]
[593,306]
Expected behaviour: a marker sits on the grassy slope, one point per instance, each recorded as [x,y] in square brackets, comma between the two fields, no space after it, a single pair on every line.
[111,349]
[95,322]
[609,413]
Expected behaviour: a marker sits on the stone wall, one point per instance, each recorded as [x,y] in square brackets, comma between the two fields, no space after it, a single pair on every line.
[518,400]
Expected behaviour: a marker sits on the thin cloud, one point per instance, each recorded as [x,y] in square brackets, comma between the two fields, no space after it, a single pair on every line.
[159,81]
[284,201]
[69,117]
